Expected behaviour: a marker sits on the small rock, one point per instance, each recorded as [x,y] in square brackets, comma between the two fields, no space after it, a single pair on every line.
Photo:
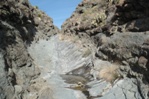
[18,89]
[142,61]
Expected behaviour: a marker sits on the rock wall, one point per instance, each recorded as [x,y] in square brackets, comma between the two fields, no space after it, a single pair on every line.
[119,31]
[104,42]
[20,25]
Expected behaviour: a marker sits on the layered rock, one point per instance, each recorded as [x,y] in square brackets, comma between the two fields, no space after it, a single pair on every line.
[100,53]
[20,24]
[119,30]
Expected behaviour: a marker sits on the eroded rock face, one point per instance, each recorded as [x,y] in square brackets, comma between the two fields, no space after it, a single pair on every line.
[18,29]
[100,53]
[119,30]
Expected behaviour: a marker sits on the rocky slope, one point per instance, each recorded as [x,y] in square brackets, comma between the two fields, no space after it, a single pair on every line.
[20,26]
[101,52]
[119,30]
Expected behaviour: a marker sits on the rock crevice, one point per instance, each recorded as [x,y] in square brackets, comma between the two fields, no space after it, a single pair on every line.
[101,52]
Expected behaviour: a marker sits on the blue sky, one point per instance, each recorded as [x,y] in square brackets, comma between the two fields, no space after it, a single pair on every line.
[58,10]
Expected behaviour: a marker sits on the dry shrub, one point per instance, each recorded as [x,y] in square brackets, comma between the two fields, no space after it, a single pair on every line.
[109,73]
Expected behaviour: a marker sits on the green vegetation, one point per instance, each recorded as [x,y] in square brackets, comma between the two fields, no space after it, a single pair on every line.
[36,7]
[39,15]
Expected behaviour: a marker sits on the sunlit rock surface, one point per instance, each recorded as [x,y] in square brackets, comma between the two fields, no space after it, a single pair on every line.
[101,52]
[59,61]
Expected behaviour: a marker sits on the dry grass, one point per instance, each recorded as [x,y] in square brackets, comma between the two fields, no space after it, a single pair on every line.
[109,73]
